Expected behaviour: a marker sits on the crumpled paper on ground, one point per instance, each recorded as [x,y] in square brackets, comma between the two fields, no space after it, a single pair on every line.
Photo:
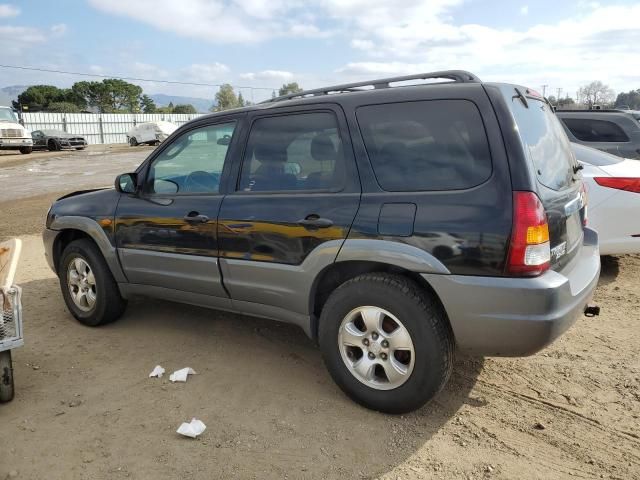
[157,372]
[192,429]
[181,375]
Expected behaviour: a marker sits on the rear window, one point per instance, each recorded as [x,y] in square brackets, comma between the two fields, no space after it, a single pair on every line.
[588,130]
[594,157]
[545,141]
[426,145]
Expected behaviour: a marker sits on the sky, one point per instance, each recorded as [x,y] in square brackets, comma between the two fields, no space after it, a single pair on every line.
[265,43]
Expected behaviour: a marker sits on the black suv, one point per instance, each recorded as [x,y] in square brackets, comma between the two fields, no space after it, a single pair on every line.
[393,224]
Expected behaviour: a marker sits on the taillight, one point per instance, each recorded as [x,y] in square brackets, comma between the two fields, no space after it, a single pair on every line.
[529,251]
[619,183]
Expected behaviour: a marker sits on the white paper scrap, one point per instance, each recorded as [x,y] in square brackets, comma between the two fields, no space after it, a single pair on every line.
[157,372]
[181,375]
[193,429]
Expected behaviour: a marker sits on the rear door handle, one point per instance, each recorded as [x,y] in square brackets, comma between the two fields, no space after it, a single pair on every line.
[315,221]
[195,217]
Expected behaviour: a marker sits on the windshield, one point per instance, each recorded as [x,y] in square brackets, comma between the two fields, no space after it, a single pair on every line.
[7,115]
[53,133]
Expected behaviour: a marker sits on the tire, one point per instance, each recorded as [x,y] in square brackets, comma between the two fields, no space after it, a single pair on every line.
[6,377]
[80,148]
[427,369]
[108,305]
[133,142]
[26,150]
[53,146]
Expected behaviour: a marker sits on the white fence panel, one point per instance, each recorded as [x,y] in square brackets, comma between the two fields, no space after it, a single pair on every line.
[99,128]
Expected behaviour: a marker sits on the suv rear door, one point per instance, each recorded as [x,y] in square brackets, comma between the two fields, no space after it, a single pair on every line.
[554,170]
[296,190]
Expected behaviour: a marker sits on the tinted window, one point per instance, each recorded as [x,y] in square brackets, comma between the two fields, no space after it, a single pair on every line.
[588,130]
[293,152]
[545,142]
[192,163]
[429,145]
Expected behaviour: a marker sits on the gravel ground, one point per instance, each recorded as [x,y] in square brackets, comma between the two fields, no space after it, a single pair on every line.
[85,409]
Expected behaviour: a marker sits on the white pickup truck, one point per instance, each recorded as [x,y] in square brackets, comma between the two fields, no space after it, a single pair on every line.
[13,136]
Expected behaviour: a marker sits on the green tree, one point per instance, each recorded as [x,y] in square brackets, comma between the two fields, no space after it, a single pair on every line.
[241,102]
[39,97]
[184,108]
[147,104]
[225,98]
[288,88]
[630,99]
[109,95]
[63,107]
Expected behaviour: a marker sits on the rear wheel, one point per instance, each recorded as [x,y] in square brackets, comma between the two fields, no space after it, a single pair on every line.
[88,287]
[386,342]
[133,142]
[26,150]
[6,377]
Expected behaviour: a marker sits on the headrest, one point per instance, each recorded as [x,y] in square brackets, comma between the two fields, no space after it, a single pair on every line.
[270,153]
[323,149]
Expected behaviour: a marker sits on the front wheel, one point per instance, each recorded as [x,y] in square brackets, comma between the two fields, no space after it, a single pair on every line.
[386,342]
[26,150]
[6,377]
[53,146]
[88,287]
[133,142]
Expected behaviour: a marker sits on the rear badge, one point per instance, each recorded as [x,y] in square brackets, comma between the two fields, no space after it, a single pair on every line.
[559,250]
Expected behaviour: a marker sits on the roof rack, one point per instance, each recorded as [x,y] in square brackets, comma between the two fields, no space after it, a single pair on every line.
[458,76]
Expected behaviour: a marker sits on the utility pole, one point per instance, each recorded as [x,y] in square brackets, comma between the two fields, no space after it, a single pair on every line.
[544,90]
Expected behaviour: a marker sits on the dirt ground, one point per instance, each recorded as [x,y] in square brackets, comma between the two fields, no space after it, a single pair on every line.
[85,409]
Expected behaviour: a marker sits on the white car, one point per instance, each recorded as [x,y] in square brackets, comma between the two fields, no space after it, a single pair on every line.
[613,189]
[150,132]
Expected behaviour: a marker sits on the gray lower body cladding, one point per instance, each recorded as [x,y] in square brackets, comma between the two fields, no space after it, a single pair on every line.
[518,316]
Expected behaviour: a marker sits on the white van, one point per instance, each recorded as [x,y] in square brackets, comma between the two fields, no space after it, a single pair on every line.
[151,133]
[13,136]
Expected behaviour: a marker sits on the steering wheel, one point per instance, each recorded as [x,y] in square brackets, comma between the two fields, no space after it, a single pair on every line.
[201,182]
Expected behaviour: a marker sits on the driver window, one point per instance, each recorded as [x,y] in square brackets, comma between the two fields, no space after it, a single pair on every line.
[192,163]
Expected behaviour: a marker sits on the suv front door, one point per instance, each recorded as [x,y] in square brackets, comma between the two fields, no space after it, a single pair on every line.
[296,195]
[167,234]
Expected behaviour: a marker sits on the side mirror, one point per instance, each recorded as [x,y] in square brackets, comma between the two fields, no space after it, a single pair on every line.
[126,183]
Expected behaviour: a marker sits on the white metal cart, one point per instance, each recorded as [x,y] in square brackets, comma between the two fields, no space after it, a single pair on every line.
[11,318]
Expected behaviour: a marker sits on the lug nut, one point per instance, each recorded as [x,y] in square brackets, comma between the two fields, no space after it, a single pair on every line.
[383,356]
[371,356]
[385,344]
[374,335]
[365,342]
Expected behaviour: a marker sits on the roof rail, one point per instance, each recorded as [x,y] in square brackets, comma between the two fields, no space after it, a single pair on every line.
[460,76]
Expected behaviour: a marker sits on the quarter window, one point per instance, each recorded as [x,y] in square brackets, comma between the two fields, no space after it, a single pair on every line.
[298,152]
[588,130]
[426,145]
[192,163]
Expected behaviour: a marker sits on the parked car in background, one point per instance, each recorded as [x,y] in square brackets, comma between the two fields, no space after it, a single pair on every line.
[328,209]
[613,131]
[55,140]
[613,187]
[13,136]
[151,133]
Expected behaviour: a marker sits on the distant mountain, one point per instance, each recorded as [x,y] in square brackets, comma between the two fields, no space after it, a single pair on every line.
[202,104]
[10,93]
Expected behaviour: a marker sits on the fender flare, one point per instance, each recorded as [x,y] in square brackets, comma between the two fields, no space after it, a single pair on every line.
[97,234]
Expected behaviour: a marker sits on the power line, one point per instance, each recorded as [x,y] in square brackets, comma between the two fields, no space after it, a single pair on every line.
[173,82]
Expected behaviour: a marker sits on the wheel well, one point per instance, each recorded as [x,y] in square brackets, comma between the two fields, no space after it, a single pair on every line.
[64,238]
[338,273]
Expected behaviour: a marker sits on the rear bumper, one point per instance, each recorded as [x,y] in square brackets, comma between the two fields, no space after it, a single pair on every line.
[518,316]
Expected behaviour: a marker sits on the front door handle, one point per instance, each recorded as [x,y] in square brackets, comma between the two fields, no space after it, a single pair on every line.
[315,221]
[195,217]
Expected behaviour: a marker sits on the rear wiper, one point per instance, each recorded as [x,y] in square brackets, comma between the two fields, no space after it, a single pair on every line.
[577,168]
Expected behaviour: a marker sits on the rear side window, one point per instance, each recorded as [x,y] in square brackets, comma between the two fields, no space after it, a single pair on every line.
[588,130]
[293,152]
[545,142]
[427,145]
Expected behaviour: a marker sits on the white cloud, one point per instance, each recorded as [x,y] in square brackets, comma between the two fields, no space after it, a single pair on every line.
[524,10]
[28,37]
[7,10]
[59,29]
[267,76]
